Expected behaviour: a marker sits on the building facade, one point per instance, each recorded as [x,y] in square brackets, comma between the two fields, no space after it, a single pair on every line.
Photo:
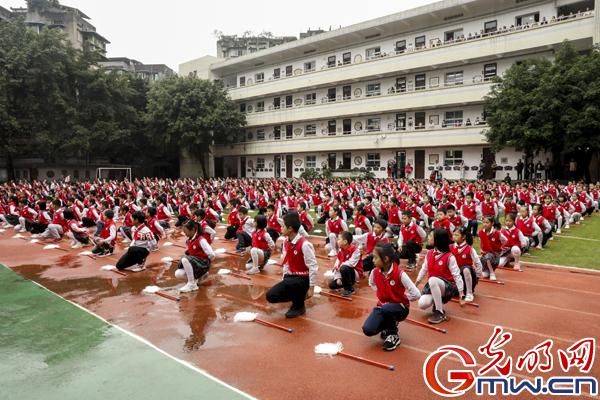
[407,88]
[233,46]
[151,72]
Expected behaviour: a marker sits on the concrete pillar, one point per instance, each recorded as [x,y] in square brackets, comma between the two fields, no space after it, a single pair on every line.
[597,22]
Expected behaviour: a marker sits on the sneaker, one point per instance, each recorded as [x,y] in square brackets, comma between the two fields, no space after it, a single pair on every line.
[76,245]
[332,253]
[189,287]
[295,312]
[517,267]
[469,298]
[138,268]
[558,232]
[493,277]
[249,266]
[253,271]
[551,238]
[348,292]
[539,247]
[104,253]
[411,265]
[438,317]
[391,342]
[35,236]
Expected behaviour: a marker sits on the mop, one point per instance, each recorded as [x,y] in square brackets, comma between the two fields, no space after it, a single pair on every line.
[318,231]
[319,291]
[273,262]
[220,251]
[112,268]
[88,254]
[169,244]
[333,349]
[329,274]
[422,325]
[225,271]
[455,300]
[53,246]
[167,260]
[156,290]
[245,316]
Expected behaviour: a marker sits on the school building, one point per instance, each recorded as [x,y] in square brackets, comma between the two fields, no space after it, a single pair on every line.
[404,88]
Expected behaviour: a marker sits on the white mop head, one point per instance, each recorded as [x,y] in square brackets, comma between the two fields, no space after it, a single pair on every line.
[224,271]
[51,246]
[86,253]
[2,230]
[151,289]
[167,244]
[220,251]
[18,236]
[318,289]
[329,349]
[271,262]
[167,260]
[108,268]
[317,231]
[244,316]
[329,274]
[34,240]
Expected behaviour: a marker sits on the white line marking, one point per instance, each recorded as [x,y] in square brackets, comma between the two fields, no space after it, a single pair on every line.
[577,237]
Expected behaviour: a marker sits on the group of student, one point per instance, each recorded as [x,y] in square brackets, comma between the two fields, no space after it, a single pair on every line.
[391,220]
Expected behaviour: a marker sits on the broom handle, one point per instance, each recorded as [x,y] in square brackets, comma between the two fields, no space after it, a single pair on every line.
[433,328]
[366,361]
[476,305]
[272,325]
[167,296]
[491,281]
[180,246]
[240,276]
[336,296]
[116,271]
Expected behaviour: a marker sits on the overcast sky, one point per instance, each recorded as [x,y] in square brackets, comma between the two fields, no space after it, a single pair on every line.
[171,32]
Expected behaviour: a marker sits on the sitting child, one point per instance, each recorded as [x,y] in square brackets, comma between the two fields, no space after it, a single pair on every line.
[105,243]
[195,263]
[262,245]
[142,242]
[348,266]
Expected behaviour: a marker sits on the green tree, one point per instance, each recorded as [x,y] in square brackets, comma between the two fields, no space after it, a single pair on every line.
[191,114]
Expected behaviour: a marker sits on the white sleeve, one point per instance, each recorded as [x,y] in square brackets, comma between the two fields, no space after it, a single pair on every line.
[369,226]
[206,248]
[344,225]
[372,281]
[159,227]
[360,239]
[354,259]
[476,263]
[412,293]
[311,262]
[421,232]
[455,271]
[269,241]
[113,234]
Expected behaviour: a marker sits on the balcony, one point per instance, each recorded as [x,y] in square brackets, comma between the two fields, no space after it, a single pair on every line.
[514,41]
[359,104]
[387,139]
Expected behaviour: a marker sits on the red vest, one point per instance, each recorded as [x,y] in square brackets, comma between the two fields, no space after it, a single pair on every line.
[549,212]
[462,253]
[42,218]
[59,219]
[151,225]
[233,218]
[273,223]
[393,216]
[105,232]
[345,254]
[469,211]
[241,225]
[390,288]
[490,242]
[305,221]
[512,237]
[160,213]
[195,248]
[335,226]
[361,223]
[487,208]
[373,240]
[128,220]
[445,224]
[428,210]
[525,226]
[410,232]
[25,213]
[259,241]
[294,258]
[510,207]
[206,235]
[438,265]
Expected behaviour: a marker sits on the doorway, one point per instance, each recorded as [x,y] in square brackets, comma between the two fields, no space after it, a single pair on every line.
[277,162]
[331,161]
[289,166]
[400,164]
[242,167]
[419,164]
[489,159]
[219,167]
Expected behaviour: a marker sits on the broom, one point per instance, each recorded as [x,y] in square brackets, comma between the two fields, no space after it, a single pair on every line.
[225,271]
[169,244]
[112,268]
[484,280]
[333,349]
[319,290]
[156,290]
[252,317]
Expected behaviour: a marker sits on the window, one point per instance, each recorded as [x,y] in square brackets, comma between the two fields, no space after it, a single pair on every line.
[288,101]
[260,106]
[330,61]
[420,42]
[420,82]
[310,98]
[490,26]
[453,35]
[310,66]
[288,131]
[277,103]
[401,121]
[401,85]
[489,71]
[528,19]
[288,70]
[347,124]
[420,120]
[276,73]
[331,93]
[242,81]
[454,78]
[260,134]
[372,52]
[453,157]
[260,163]
[311,162]
[260,77]
[346,58]
[373,124]
[331,127]
[277,132]
[454,118]
[347,92]
[400,46]
[373,89]
[250,136]
[243,107]
[373,160]
[310,130]
[346,160]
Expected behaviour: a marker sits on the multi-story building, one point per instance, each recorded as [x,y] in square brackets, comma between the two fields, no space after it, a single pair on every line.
[152,72]
[5,14]
[73,22]
[232,46]
[404,88]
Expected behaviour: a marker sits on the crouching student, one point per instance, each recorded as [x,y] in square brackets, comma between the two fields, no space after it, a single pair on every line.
[529,227]
[26,216]
[368,242]
[305,218]
[195,263]
[410,239]
[233,220]
[58,227]
[545,226]
[105,242]
[515,241]
[142,242]
[154,224]
[348,266]
[395,290]
[42,221]
[125,229]
[244,231]
[78,234]
[262,246]
[491,241]
[444,280]
[207,231]
[299,269]
[333,227]
[467,260]
[362,224]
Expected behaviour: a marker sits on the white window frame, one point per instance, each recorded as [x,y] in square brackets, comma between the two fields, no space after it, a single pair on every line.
[311,161]
[310,66]
[373,89]
[310,130]
[455,119]
[453,157]
[373,124]
[310,99]
[259,77]
[373,160]
[260,163]
[372,52]
[454,78]
[260,134]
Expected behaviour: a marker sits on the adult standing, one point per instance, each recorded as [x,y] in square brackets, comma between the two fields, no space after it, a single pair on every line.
[548,169]
[529,174]
[519,168]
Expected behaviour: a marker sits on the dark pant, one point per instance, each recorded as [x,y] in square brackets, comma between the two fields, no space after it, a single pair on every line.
[368,265]
[99,227]
[385,318]
[410,250]
[472,226]
[348,279]
[292,288]
[273,233]
[244,240]
[231,232]
[88,222]
[102,247]
[126,231]
[134,255]
[37,227]
[323,219]
[181,220]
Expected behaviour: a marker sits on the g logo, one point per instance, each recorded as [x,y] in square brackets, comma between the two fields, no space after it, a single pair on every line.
[464,378]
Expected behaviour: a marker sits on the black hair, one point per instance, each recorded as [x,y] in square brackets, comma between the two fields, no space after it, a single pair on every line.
[138,216]
[511,216]
[68,214]
[407,214]
[110,214]
[42,205]
[303,206]
[466,233]
[200,213]
[493,220]
[125,208]
[381,222]
[191,225]
[387,250]
[56,202]
[261,222]
[292,221]
[450,207]
[441,240]
[151,211]
[347,236]
[442,210]
[243,210]
[271,207]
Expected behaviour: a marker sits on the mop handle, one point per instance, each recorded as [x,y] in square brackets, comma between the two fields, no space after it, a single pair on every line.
[336,296]
[491,281]
[476,305]
[116,271]
[272,325]
[240,276]
[168,296]
[433,328]
[366,361]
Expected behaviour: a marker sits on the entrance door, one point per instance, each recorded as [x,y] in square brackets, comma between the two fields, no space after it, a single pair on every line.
[219,167]
[488,158]
[289,166]
[277,163]
[400,163]
[419,164]
[331,160]
[242,167]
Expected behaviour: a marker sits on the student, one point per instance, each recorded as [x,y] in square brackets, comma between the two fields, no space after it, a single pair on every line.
[125,229]
[362,224]
[100,222]
[348,266]
[244,231]
[529,227]
[515,241]
[273,223]
[26,216]
[545,226]
[410,239]
[58,227]
[142,242]
[455,219]
[368,242]
[395,290]
[469,210]
[92,216]
[444,280]
[394,216]
[195,263]
[77,233]
[491,242]
[154,225]
[11,217]
[207,231]
[334,226]
[551,213]
[262,246]
[163,214]
[299,269]
[105,244]
[43,219]
[305,218]
[442,221]
[467,260]
[488,207]
[233,220]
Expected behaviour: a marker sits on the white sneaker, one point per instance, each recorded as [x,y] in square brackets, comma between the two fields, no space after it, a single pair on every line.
[567,226]
[558,232]
[469,298]
[517,267]
[35,236]
[76,245]
[539,247]
[17,228]
[253,271]
[126,240]
[138,268]
[582,218]
[249,266]
[493,277]
[189,287]
[552,238]
[332,253]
